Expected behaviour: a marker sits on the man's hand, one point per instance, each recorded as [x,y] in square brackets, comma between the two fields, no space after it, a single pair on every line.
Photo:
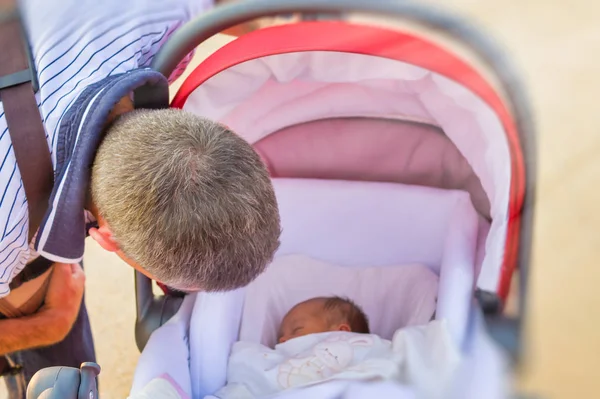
[54,320]
[238,30]
[63,298]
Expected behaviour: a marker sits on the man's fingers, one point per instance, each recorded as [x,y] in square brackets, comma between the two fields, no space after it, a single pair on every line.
[76,269]
[78,276]
[68,272]
[62,270]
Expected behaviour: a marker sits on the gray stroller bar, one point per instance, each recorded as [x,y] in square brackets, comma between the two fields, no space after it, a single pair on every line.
[153,311]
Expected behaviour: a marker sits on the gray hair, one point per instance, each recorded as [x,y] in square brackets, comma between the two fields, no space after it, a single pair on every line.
[187,199]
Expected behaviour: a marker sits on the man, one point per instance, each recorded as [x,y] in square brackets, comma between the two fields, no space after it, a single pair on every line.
[181,199]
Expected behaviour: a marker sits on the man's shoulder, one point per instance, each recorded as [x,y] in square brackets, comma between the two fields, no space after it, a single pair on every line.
[45,21]
[84,41]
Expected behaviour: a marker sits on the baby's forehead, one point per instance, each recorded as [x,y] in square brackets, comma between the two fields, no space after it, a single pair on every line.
[312,306]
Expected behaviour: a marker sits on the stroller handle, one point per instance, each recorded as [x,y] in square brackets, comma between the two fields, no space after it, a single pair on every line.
[152,311]
[506,331]
[220,18]
[65,383]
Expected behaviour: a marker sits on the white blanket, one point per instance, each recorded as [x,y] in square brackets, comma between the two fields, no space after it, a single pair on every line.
[423,357]
[161,387]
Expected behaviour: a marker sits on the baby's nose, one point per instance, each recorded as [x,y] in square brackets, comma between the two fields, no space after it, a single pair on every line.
[282,339]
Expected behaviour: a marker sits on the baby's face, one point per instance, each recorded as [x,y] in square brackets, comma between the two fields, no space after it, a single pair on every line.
[307,317]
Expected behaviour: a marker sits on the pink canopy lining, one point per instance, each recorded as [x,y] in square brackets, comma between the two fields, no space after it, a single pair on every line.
[339,101]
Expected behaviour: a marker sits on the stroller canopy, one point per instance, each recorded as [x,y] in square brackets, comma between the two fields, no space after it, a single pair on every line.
[277,87]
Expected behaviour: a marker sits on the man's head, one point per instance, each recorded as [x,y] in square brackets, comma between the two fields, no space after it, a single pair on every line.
[318,315]
[184,200]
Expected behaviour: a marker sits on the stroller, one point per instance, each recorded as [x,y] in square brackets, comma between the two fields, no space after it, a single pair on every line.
[394,134]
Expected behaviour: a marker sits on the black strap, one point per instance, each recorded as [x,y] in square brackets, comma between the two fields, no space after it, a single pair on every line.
[7,367]
[17,85]
[33,270]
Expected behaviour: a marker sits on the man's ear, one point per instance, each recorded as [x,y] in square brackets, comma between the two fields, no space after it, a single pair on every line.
[103,236]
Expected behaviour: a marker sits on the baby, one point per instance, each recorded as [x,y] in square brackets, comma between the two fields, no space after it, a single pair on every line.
[328,339]
[323,314]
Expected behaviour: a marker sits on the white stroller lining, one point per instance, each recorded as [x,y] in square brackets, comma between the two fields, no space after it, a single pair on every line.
[350,224]
[366,223]
[392,297]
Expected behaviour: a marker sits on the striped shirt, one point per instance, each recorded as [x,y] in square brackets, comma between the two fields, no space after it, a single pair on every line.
[75,45]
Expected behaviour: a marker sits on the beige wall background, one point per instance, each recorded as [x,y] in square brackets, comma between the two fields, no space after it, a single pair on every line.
[557,47]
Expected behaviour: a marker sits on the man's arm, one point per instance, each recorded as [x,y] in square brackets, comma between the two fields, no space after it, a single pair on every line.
[238,30]
[242,29]
[54,320]
[37,330]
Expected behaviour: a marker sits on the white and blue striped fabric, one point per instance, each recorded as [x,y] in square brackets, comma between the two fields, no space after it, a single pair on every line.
[75,44]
